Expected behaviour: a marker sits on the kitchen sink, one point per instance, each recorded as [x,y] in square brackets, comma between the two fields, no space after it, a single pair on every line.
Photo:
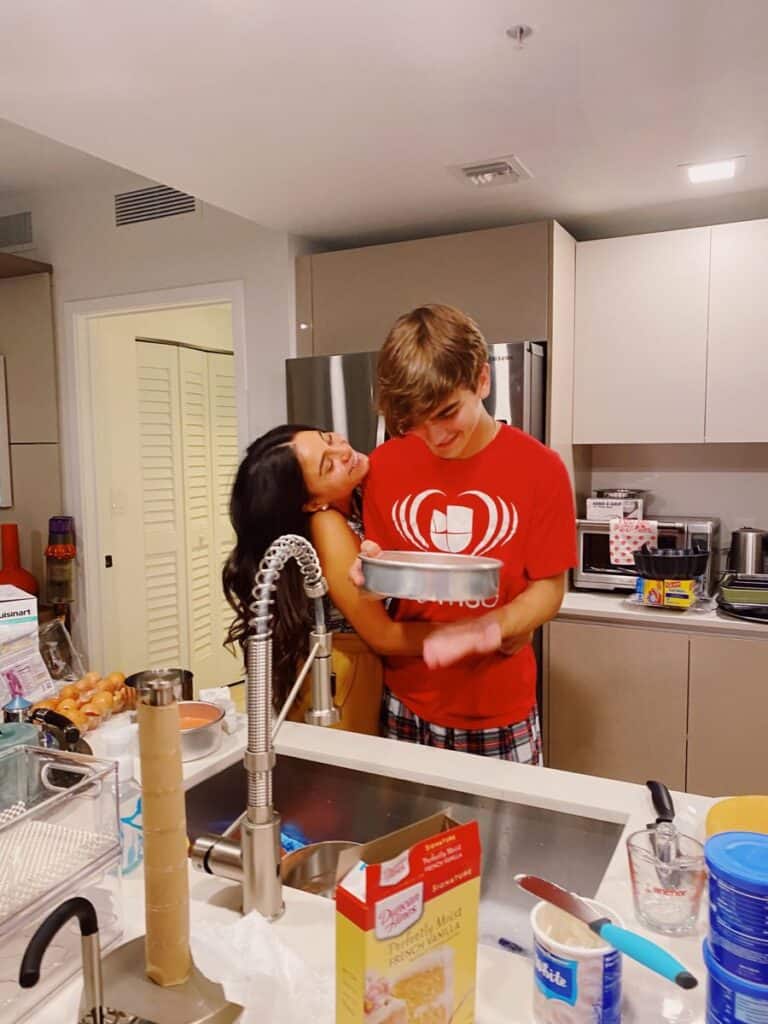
[320,802]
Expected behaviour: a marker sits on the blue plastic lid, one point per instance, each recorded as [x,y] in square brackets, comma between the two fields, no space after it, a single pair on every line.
[741,859]
[732,981]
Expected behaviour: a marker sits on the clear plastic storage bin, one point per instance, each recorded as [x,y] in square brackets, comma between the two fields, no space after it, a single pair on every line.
[59,837]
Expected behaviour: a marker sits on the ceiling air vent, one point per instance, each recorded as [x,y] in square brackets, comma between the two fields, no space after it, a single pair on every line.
[505,170]
[16,232]
[151,204]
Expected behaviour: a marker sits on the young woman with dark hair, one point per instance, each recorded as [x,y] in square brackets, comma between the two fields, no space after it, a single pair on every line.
[296,479]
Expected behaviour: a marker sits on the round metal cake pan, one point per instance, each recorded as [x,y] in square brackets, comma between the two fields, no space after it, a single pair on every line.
[431,576]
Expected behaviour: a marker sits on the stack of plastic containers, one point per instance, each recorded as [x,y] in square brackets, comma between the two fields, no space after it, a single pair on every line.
[58,838]
[736,952]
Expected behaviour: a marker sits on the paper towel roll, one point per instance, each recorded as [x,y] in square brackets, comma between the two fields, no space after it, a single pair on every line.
[166,882]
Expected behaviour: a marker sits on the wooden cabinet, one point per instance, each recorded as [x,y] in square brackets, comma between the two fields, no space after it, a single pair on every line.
[641,338]
[348,300]
[728,716]
[616,701]
[634,703]
[737,371]
[26,341]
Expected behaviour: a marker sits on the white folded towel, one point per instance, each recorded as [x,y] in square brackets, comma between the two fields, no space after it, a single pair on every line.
[628,536]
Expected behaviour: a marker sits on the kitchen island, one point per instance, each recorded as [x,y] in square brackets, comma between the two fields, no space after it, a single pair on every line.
[505,980]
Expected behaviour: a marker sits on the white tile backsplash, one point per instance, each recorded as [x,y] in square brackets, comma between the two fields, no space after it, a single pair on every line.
[726,480]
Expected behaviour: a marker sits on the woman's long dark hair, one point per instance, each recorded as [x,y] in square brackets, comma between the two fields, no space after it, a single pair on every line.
[268,499]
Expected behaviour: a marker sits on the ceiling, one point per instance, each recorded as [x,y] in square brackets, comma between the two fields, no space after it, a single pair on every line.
[339,121]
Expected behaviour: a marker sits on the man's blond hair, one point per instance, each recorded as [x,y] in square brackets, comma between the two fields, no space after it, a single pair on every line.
[430,352]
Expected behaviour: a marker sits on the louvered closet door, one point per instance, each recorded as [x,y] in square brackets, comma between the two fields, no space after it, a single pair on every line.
[224,456]
[202,599]
[162,507]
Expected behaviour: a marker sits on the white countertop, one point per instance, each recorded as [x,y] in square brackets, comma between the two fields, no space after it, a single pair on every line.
[593,606]
[505,980]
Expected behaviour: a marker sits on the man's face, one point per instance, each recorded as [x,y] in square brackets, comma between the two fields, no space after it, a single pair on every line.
[451,430]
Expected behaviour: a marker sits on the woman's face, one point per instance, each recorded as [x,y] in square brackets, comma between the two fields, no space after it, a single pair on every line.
[331,468]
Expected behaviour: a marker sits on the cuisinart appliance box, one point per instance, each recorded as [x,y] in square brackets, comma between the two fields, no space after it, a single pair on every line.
[18,613]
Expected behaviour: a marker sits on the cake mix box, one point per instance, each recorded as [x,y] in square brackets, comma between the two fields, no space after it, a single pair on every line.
[406,926]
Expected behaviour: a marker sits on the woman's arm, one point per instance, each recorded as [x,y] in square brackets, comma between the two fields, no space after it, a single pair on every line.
[338,547]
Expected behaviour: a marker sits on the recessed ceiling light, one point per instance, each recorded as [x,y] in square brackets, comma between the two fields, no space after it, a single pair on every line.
[501,170]
[719,170]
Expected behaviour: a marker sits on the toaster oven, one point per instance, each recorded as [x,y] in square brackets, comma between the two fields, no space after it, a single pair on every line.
[595,571]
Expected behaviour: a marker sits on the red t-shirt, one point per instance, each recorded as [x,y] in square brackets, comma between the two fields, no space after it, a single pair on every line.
[512,501]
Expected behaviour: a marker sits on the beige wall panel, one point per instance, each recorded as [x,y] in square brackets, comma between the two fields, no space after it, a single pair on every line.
[499,276]
[26,341]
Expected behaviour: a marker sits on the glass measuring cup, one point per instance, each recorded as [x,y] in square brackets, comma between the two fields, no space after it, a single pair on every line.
[666,892]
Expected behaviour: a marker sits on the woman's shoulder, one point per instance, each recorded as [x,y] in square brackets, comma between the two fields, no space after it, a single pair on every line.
[329,523]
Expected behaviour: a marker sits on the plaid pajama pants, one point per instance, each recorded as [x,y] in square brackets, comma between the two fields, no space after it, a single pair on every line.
[519,741]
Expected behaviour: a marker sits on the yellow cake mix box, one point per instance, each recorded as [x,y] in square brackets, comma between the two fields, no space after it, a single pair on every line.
[666,593]
[650,592]
[406,926]
[679,593]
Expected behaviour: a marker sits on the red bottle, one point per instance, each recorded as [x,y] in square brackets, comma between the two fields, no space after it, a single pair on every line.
[12,572]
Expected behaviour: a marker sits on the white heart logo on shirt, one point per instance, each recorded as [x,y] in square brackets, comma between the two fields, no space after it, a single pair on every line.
[452,528]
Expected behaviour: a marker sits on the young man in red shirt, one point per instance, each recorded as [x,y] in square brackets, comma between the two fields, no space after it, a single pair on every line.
[453,479]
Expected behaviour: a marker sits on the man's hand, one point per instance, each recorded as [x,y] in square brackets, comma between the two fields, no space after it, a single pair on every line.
[370,549]
[449,644]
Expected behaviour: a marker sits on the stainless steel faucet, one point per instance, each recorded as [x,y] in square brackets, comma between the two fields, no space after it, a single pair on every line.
[256,862]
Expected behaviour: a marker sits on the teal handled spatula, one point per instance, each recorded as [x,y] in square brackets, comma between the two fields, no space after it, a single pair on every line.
[635,946]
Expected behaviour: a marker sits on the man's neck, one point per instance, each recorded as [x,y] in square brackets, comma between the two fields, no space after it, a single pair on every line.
[487,428]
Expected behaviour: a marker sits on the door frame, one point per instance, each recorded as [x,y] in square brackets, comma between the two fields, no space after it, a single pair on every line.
[77,415]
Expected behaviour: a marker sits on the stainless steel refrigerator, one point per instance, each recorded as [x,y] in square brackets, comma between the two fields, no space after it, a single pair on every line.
[338,392]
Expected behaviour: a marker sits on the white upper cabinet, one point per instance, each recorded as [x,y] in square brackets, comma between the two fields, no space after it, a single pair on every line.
[737,372]
[641,338]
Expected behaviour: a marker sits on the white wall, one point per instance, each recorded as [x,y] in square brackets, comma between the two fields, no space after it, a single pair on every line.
[92,259]
[74,231]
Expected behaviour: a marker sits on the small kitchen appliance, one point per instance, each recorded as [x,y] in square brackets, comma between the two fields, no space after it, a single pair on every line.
[748,552]
[595,570]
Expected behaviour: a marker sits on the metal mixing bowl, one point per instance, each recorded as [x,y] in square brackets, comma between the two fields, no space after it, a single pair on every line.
[431,576]
[313,868]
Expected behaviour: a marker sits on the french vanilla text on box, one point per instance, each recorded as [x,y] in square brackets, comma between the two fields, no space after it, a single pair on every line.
[406,928]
